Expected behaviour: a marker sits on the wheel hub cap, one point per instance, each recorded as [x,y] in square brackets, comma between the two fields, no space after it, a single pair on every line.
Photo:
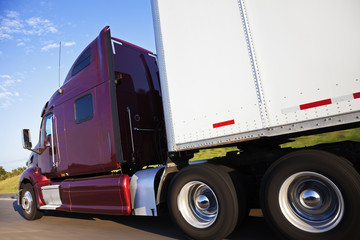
[202,202]
[198,204]
[310,199]
[27,202]
[311,202]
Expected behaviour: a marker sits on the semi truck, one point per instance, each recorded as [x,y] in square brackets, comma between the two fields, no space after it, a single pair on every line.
[119,135]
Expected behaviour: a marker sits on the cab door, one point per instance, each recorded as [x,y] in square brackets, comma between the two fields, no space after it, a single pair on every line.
[48,160]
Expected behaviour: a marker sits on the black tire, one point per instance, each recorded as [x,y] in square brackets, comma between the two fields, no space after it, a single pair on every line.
[28,203]
[293,196]
[214,213]
[242,193]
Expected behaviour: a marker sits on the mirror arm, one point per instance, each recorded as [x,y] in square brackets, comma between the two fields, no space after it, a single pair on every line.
[38,151]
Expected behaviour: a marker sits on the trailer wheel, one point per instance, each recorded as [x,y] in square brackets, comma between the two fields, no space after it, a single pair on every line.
[203,202]
[312,194]
[28,203]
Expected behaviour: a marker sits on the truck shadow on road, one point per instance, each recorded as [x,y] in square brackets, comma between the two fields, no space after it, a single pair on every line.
[253,228]
[162,226]
[17,208]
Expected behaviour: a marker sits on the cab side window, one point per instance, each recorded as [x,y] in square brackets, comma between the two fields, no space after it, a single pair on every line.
[48,125]
[84,108]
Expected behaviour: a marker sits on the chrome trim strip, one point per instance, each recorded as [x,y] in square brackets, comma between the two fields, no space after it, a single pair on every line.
[51,195]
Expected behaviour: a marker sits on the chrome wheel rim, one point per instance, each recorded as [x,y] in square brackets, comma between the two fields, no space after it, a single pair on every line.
[27,202]
[311,202]
[198,204]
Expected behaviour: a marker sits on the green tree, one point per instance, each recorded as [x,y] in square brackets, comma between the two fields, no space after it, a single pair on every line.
[21,169]
[2,171]
[14,172]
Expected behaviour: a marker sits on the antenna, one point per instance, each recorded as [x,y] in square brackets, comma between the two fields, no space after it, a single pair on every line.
[60,90]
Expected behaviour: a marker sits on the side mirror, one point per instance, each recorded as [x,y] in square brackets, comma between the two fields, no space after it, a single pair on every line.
[27,139]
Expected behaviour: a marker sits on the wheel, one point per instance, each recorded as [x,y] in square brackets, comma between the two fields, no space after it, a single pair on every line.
[312,194]
[203,202]
[28,203]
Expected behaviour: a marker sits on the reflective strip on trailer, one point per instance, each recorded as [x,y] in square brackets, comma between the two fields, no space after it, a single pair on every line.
[223,124]
[320,103]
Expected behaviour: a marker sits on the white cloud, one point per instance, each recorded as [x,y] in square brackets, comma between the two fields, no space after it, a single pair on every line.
[46,4]
[49,46]
[68,44]
[5,76]
[5,94]
[39,26]
[12,24]
[25,39]
[29,49]
[12,14]
[8,93]
[8,82]
[5,104]
[56,45]
[20,44]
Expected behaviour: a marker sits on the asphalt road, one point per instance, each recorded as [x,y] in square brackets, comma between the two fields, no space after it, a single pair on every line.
[67,226]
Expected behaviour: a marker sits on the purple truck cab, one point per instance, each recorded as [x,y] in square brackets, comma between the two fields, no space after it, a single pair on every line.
[103,124]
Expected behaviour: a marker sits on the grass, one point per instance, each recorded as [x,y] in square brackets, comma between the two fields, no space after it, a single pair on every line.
[331,137]
[300,142]
[9,185]
[211,153]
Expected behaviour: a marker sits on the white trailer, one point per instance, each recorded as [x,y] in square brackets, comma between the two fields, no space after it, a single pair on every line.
[252,73]
[238,70]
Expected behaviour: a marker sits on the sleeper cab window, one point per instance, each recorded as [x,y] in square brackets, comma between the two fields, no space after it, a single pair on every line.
[84,108]
[82,62]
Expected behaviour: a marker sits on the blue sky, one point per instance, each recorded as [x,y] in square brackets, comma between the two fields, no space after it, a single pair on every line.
[30,32]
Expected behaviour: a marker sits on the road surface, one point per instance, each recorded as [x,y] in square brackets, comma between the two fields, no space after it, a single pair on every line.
[68,226]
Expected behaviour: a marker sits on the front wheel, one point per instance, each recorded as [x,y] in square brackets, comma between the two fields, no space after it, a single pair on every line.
[28,203]
[203,202]
[312,194]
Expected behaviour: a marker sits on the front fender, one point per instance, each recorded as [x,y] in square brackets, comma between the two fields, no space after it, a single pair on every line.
[37,180]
